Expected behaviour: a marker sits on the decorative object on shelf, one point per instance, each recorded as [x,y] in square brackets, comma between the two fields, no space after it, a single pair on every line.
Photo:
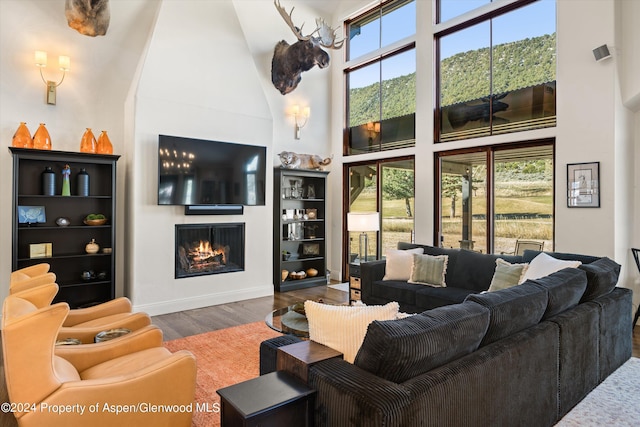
[89,18]
[104,144]
[311,272]
[297,275]
[106,250]
[42,139]
[88,275]
[310,249]
[66,187]
[92,247]
[63,222]
[95,219]
[22,137]
[312,213]
[101,275]
[31,215]
[311,231]
[286,255]
[363,222]
[64,63]
[83,182]
[40,250]
[311,191]
[88,142]
[48,182]
[291,160]
[284,274]
[583,185]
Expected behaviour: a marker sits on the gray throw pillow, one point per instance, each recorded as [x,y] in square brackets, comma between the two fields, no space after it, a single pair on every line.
[429,270]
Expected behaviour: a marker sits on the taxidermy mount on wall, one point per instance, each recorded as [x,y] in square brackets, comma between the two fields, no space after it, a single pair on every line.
[290,61]
[291,160]
[88,17]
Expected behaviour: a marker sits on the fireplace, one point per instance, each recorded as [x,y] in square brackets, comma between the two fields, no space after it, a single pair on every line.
[203,249]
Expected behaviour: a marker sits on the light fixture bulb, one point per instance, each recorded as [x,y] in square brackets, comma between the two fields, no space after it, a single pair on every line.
[64,62]
[41,58]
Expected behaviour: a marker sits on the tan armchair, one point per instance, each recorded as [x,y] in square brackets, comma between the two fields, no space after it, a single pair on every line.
[84,323]
[29,272]
[92,382]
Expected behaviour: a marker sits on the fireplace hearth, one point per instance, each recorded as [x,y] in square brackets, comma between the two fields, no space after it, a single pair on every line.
[203,249]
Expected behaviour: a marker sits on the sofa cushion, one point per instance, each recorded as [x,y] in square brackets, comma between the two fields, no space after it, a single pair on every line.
[544,264]
[512,309]
[429,297]
[402,349]
[565,288]
[474,271]
[432,250]
[395,290]
[429,270]
[529,255]
[399,263]
[506,275]
[343,327]
[602,277]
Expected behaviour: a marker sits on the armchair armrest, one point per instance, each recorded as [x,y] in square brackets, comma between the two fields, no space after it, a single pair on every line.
[23,285]
[84,356]
[81,315]
[30,271]
[369,273]
[347,392]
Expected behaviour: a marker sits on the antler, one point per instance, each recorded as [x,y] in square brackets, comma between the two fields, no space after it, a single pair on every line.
[327,35]
[287,18]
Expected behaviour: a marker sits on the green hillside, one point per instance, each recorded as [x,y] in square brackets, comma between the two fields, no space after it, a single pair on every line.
[517,65]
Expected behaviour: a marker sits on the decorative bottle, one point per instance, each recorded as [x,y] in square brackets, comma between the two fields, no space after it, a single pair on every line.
[42,139]
[48,182]
[83,182]
[88,142]
[22,137]
[66,188]
[104,144]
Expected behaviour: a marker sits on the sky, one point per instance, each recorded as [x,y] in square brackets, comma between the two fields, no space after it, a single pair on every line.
[530,21]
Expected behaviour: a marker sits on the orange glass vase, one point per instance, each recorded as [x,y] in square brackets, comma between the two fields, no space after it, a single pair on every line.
[22,137]
[88,142]
[104,144]
[42,139]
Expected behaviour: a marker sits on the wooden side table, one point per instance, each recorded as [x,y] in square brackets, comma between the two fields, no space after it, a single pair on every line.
[297,358]
[272,400]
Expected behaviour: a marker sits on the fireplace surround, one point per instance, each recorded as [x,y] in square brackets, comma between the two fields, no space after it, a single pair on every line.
[203,249]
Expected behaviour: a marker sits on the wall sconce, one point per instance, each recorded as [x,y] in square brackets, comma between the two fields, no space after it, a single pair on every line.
[306,111]
[64,62]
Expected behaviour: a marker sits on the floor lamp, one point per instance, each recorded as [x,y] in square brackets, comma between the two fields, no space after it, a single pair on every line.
[363,222]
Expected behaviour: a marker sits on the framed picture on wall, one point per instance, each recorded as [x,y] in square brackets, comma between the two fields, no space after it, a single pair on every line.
[583,185]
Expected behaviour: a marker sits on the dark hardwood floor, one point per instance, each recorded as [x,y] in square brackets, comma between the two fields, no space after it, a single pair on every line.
[197,321]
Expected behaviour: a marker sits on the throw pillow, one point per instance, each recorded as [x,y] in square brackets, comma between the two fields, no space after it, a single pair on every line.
[429,270]
[543,265]
[399,263]
[507,275]
[343,327]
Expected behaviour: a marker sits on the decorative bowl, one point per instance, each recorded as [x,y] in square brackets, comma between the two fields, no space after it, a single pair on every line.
[297,275]
[111,334]
[95,221]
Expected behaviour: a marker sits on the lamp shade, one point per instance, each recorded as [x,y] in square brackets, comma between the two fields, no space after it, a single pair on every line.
[363,221]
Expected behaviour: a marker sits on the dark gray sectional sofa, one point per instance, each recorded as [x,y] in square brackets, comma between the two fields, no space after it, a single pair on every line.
[519,356]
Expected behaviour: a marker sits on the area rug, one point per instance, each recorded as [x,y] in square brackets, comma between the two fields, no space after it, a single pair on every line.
[615,402]
[224,357]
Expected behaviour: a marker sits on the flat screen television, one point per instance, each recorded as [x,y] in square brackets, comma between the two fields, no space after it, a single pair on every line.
[200,172]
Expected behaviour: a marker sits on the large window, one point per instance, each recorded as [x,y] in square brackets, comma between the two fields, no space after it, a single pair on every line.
[385,186]
[491,197]
[497,71]
[380,79]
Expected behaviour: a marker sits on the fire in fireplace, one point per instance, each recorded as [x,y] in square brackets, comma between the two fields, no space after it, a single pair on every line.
[209,249]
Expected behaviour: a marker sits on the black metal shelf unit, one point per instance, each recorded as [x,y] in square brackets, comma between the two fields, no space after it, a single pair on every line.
[68,257]
[299,228]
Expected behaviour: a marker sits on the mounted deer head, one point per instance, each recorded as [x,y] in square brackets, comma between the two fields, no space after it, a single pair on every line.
[290,61]
[88,17]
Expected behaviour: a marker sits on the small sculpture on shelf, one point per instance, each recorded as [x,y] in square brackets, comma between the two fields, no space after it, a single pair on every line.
[92,247]
[66,186]
[291,160]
